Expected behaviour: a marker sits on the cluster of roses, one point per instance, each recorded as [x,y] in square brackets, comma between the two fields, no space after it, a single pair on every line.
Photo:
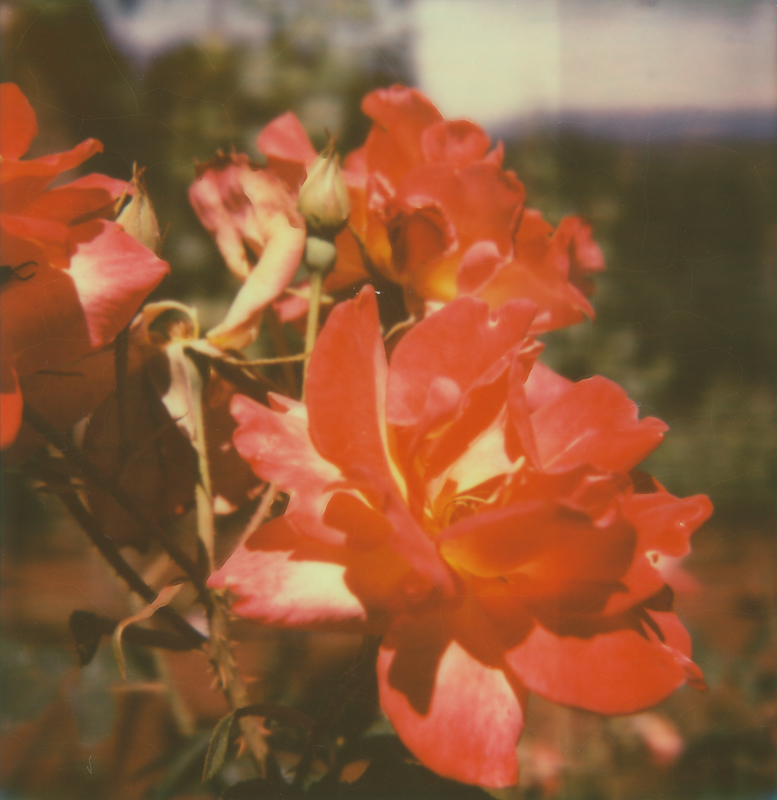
[479,512]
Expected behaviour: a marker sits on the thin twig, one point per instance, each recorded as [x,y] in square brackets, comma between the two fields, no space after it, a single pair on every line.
[262,510]
[121,362]
[406,323]
[261,362]
[110,552]
[96,477]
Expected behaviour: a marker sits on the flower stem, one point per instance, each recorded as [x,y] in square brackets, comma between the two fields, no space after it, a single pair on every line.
[223,661]
[110,552]
[202,490]
[97,478]
[316,282]
[221,655]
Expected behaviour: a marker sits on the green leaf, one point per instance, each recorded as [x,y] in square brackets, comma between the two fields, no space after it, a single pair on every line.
[217,749]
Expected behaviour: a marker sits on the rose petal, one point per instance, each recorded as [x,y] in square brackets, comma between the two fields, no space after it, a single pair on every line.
[288,149]
[459,141]
[594,422]
[611,672]
[19,126]
[394,143]
[278,448]
[346,396]
[544,385]
[279,579]
[461,342]
[665,522]
[11,405]
[458,716]
[22,181]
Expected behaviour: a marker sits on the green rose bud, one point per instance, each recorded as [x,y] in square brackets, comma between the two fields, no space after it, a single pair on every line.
[323,197]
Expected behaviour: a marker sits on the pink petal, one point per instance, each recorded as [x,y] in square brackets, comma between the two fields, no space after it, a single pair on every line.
[285,138]
[19,126]
[479,264]
[113,274]
[461,343]
[60,315]
[279,579]
[77,199]
[346,389]
[277,265]
[458,141]
[288,149]
[459,716]
[23,180]
[665,522]
[594,422]
[542,549]
[544,385]
[481,202]
[394,143]
[277,447]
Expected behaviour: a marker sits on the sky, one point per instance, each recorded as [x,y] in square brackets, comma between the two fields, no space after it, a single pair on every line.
[493,59]
[507,61]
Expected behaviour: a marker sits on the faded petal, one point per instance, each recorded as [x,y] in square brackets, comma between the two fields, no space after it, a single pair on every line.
[279,578]
[288,149]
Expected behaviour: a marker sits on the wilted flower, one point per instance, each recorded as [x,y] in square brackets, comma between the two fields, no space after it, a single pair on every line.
[482,514]
[252,215]
[72,279]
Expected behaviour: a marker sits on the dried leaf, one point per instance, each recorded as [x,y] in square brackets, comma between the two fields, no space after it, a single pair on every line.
[163,598]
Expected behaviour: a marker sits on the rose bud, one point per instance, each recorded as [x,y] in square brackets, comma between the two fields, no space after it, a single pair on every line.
[323,197]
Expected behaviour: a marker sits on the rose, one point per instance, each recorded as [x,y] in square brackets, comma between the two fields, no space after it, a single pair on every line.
[478,511]
[72,279]
[435,212]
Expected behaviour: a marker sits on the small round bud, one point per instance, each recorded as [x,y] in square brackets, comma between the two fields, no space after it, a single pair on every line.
[320,254]
[323,197]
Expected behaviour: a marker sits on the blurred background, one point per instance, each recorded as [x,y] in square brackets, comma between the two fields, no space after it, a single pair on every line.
[654,119]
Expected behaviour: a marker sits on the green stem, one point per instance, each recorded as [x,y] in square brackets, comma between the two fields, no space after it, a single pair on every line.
[316,282]
[223,661]
[221,655]
[202,490]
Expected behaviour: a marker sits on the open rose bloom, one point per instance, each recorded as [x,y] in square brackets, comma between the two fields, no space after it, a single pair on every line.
[479,512]
[73,278]
[434,211]
[480,515]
